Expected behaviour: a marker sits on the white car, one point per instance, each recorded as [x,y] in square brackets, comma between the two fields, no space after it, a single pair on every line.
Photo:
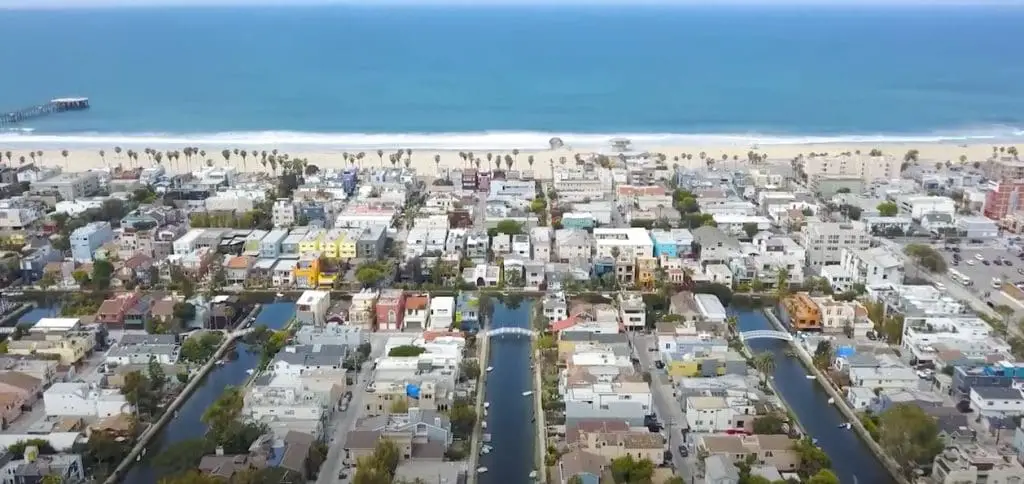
[970,262]
[979,257]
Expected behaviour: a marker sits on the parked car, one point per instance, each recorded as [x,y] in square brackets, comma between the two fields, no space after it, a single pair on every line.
[683,451]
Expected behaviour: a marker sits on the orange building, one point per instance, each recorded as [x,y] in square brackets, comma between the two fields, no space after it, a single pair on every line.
[801,313]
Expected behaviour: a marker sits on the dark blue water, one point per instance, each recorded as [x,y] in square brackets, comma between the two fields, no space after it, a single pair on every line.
[513,435]
[188,424]
[34,315]
[852,462]
[330,75]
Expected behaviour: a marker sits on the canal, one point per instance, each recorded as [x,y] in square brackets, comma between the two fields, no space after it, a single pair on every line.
[510,415]
[852,461]
[188,424]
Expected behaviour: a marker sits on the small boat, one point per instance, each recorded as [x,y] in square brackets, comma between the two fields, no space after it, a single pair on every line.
[250,371]
[487,405]
[846,425]
[528,393]
[810,377]
[481,470]
[533,474]
[280,294]
[483,425]
[490,369]
[831,401]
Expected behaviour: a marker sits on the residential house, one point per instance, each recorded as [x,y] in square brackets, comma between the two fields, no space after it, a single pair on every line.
[777,451]
[311,308]
[417,312]
[391,308]
[573,245]
[79,399]
[613,439]
[419,434]
[540,241]
[442,313]
[800,312]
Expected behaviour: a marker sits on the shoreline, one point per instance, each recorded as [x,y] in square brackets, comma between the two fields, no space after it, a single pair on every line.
[436,161]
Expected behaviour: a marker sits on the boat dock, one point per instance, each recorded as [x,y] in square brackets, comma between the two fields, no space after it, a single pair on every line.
[58,105]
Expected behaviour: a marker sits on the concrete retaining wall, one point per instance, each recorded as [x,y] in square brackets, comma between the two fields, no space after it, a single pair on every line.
[840,403]
[538,413]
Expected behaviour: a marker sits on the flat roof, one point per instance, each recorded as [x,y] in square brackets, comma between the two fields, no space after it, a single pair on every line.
[56,324]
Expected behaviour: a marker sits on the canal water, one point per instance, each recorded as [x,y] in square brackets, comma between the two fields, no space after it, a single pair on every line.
[852,461]
[510,416]
[188,424]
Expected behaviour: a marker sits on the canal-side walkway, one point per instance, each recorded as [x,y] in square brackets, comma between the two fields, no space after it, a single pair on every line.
[481,386]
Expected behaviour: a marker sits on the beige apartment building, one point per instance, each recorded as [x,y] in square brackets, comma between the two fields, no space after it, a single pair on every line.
[768,450]
[382,395]
[614,439]
[866,167]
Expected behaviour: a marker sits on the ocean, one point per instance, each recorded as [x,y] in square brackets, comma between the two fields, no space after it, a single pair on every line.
[505,77]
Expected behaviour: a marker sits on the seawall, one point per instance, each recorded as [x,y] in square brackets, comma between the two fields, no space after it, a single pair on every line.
[481,392]
[840,403]
[193,384]
[13,316]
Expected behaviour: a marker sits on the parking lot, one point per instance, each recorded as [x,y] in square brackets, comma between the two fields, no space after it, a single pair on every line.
[982,271]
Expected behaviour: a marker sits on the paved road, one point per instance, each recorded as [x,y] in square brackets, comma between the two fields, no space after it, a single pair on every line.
[344,421]
[668,410]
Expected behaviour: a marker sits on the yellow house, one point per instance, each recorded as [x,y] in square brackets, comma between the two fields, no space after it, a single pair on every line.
[347,246]
[329,245]
[70,349]
[311,242]
[307,271]
[646,271]
[707,365]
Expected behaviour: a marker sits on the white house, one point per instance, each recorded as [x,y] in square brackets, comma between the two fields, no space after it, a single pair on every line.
[299,360]
[521,246]
[138,349]
[311,308]
[540,239]
[997,401]
[417,312]
[717,414]
[630,243]
[442,313]
[919,206]
[80,399]
[884,378]
[872,267]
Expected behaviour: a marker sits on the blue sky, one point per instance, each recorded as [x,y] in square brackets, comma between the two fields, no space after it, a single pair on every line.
[68,4]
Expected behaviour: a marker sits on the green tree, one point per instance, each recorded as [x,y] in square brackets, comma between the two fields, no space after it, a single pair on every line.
[101,272]
[926,256]
[52,479]
[823,476]
[198,349]
[463,418]
[812,459]
[406,350]
[379,467]
[764,362]
[223,414]
[509,227]
[769,424]
[138,391]
[399,406]
[470,369]
[750,229]
[909,436]
[627,470]
[156,374]
[370,274]
[183,455]
[888,209]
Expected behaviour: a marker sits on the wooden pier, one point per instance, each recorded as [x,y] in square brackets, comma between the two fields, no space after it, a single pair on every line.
[58,105]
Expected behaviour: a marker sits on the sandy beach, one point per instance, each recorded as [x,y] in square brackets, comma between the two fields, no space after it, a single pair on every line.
[429,162]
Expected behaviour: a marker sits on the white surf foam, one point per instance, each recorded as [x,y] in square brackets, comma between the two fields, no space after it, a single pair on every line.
[507,140]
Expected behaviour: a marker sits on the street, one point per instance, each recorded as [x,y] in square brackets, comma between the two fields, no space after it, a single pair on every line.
[669,413]
[343,423]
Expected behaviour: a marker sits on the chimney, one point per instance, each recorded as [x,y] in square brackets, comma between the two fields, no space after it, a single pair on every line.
[219,451]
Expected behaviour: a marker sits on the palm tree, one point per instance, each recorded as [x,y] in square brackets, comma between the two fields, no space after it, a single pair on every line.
[380,155]
[782,282]
[490,157]
[515,153]
[64,153]
[408,153]
[764,362]
[963,159]
[39,154]
[733,322]
[32,154]
[226,154]
[477,162]
[103,157]
[437,162]
[264,163]
[393,159]
[158,157]
[272,159]
[244,154]
[21,160]
[8,154]
[508,161]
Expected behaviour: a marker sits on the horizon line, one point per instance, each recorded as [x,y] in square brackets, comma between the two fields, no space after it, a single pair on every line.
[50,5]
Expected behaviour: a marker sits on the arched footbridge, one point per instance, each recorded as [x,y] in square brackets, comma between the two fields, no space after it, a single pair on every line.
[765,334]
[510,331]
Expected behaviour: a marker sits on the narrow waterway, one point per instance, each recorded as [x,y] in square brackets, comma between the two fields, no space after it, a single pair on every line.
[852,461]
[188,424]
[510,416]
